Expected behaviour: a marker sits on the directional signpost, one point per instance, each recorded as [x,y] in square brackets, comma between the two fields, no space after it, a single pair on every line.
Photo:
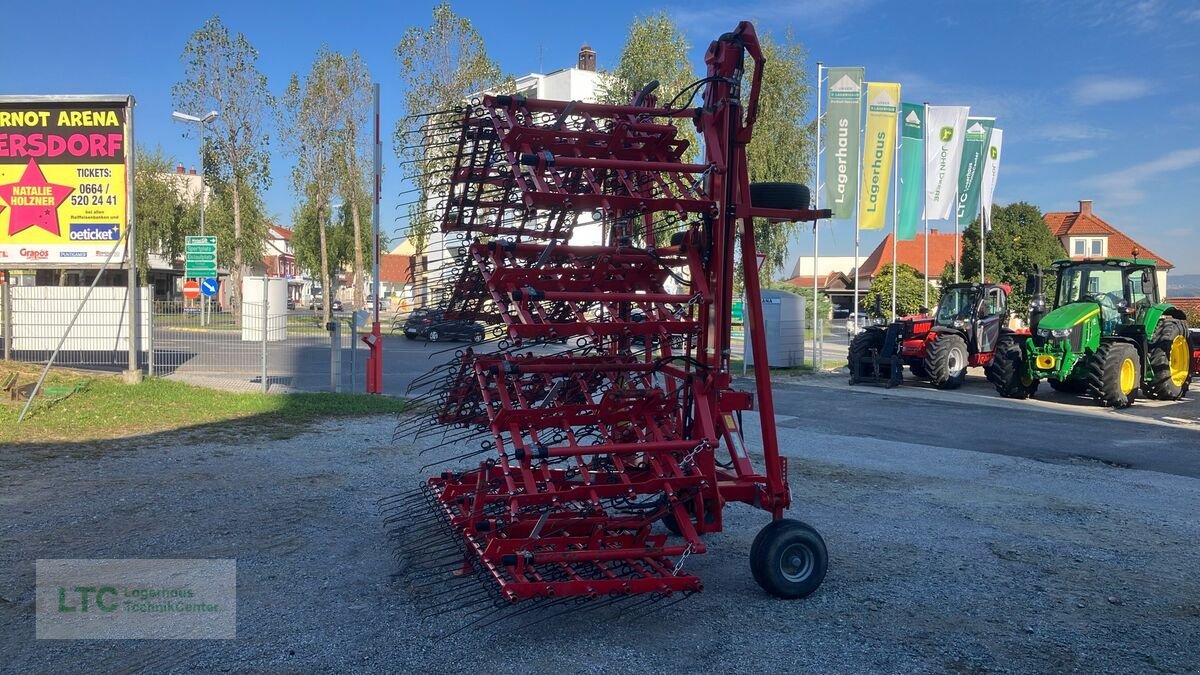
[200,262]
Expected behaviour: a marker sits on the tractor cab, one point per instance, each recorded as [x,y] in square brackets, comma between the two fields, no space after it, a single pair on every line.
[1122,289]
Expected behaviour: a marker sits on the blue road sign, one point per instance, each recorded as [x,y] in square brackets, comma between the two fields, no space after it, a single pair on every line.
[209,287]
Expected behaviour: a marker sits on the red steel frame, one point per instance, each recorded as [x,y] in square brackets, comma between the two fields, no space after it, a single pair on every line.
[595,444]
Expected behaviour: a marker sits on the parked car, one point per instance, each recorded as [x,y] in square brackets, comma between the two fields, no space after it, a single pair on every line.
[855,327]
[291,304]
[432,325]
[317,304]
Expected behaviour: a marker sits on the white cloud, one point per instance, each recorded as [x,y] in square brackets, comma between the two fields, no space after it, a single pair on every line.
[1190,15]
[725,16]
[1100,89]
[1068,131]
[1068,157]
[1125,187]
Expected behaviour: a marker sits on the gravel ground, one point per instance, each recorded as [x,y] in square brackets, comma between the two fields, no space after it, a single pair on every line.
[941,561]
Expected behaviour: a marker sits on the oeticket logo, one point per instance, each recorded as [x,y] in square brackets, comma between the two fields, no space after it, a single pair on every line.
[93,232]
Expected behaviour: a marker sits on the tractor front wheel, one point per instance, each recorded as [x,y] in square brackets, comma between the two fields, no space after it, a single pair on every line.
[946,361]
[1007,370]
[1114,374]
[1170,360]
[788,559]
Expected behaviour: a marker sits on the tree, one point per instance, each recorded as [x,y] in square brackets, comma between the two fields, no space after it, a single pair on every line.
[782,147]
[353,152]
[166,214]
[655,49]
[311,111]
[910,291]
[338,236]
[221,74]
[1019,239]
[440,66]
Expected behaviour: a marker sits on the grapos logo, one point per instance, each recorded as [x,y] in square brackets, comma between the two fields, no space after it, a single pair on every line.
[994,152]
[946,134]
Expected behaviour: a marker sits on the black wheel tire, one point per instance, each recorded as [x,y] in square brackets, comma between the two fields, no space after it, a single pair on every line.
[410,337]
[779,196]
[1170,357]
[1104,370]
[918,369]
[477,337]
[860,348]
[1006,369]
[946,361]
[433,336]
[789,559]
[1068,386]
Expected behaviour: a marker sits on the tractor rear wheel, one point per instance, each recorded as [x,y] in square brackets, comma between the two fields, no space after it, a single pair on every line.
[860,352]
[788,559]
[1170,360]
[946,361]
[1113,374]
[1007,370]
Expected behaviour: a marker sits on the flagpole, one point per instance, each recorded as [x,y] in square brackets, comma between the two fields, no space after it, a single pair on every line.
[957,240]
[857,198]
[896,202]
[817,223]
[925,196]
[982,237]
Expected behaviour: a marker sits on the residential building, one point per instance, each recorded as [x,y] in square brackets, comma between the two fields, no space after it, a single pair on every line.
[1085,235]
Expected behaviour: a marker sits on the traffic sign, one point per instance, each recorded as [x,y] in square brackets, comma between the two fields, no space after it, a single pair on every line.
[200,258]
[191,290]
[209,287]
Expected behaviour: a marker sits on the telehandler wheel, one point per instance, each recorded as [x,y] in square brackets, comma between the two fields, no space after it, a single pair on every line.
[946,361]
[918,369]
[860,352]
[1170,360]
[1006,371]
[788,559]
[1113,374]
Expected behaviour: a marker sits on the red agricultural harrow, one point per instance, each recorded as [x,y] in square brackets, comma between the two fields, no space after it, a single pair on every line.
[633,422]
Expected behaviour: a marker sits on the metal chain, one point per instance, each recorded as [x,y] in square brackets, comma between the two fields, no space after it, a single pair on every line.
[689,458]
[679,565]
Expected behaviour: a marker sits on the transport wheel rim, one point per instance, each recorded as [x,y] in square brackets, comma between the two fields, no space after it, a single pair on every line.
[796,563]
[954,362]
[1127,376]
[1179,360]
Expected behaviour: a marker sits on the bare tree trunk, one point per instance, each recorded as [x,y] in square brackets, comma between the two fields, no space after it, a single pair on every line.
[238,272]
[358,255]
[326,286]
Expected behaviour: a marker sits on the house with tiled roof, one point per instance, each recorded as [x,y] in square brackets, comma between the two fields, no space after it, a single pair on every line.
[1085,235]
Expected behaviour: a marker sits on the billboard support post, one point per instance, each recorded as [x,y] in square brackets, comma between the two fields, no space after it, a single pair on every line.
[133,372]
[6,313]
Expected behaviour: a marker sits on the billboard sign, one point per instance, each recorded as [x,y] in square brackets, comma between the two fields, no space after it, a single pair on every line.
[64,194]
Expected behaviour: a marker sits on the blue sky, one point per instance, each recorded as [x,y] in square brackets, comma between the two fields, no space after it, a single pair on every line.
[1098,99]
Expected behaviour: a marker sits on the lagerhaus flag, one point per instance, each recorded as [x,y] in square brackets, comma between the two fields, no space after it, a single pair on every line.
[842,152]
[944,126]
[991,171]
[975,145]
[883,100]
[912,168]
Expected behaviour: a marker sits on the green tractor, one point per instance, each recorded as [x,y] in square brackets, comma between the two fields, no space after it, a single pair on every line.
[1109,335]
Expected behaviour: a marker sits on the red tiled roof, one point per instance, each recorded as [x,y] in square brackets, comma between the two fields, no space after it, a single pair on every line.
[822,282]
[912,253]
[395,269]
[1085,222]
[1188,305]
[282,232]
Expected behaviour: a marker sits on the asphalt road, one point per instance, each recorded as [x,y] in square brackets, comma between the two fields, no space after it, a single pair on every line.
[1053,427]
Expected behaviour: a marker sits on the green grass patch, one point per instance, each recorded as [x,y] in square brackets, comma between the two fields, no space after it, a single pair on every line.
[106,408]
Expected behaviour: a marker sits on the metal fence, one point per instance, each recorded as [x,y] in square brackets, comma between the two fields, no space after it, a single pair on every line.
[268,347]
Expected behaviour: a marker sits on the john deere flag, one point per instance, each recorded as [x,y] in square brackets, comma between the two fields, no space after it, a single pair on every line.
[991,170]
[883,99]
[912,166]
[945,125]
[842,127]
[975,145]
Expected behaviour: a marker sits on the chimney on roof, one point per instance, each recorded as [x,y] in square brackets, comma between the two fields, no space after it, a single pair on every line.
[1085,207]
[587,58]
[178,168]
[192,171]
[933,231]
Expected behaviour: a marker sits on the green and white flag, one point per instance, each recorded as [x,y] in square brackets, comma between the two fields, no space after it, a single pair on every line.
[975,145]
[991,171]
[945,126]
[912,166]
[843,125]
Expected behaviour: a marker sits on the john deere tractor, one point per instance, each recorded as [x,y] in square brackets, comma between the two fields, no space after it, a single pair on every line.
[1108,335]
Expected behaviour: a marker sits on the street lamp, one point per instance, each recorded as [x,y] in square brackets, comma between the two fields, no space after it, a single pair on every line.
[202,122]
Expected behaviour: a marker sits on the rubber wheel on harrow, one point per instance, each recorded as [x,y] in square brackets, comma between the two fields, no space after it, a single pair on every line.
[946,361]
[790,196]
[1113,374]
[788,559]
[1006,371]
[1170,361]
[860,350]
[433,336]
